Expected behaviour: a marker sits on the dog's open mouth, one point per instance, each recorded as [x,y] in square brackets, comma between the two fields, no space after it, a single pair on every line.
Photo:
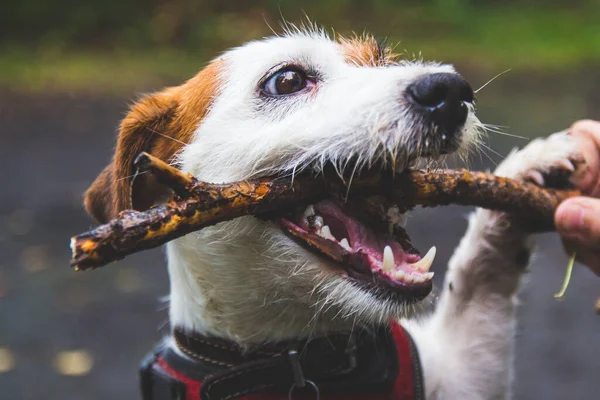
[369,253]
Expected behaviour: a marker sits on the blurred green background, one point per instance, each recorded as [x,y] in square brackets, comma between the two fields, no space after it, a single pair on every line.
[69,69]
[115,45]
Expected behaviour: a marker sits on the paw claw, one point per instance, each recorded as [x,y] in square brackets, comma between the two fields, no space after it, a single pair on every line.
[566,164]
[535,176]
[544,161]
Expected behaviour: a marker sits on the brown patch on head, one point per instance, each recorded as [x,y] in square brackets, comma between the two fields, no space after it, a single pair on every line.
[365,51]
[160,124]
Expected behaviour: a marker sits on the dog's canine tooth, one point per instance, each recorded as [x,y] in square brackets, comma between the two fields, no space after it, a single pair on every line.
[345,244]
[425,263]
[326,233]
[388,259]
[428,276]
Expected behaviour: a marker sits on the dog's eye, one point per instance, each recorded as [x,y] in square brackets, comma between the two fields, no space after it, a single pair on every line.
[284,82]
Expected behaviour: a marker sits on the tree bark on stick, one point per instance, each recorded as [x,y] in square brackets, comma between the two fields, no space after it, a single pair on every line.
[199,204]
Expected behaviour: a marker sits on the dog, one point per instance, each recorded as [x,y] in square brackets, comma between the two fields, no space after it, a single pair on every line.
[255,311]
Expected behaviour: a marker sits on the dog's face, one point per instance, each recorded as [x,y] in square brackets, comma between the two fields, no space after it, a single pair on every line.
[288,103]
[281,106]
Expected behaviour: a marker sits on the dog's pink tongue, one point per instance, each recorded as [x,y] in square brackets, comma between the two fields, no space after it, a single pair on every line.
[379,251]
[359,235]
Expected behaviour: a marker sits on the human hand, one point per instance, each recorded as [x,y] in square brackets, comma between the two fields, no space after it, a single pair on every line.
[578,219]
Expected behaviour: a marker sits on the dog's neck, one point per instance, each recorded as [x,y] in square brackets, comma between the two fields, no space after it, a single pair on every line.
[224,293]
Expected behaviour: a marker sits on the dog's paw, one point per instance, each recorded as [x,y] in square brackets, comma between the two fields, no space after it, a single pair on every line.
[546,161]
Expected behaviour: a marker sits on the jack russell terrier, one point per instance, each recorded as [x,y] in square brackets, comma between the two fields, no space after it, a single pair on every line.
[256,314]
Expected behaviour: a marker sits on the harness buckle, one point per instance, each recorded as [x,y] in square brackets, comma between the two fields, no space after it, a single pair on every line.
[299,380]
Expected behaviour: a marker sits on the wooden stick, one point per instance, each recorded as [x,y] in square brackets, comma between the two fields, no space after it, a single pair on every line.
[165,174]
[203,204]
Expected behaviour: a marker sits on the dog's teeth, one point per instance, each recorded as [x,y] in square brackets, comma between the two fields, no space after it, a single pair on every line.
[345,244]
[412,278]
[425,263]
[388,259]
[318,222]
[326,233]
[309,212]
[399,275]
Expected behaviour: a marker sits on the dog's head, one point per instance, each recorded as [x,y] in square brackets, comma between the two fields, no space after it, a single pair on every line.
[280,106]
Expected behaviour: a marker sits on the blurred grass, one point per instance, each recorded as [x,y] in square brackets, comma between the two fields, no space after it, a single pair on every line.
[170,41]
[96,72]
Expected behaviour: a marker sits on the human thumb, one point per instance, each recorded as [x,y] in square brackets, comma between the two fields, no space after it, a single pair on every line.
[578,220]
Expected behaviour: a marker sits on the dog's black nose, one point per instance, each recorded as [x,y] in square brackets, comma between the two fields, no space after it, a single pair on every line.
[442,96]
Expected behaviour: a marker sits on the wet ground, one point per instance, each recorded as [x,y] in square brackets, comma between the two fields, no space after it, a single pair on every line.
[67,335]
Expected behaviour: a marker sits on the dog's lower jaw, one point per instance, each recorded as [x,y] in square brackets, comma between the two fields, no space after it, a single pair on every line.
[241,280]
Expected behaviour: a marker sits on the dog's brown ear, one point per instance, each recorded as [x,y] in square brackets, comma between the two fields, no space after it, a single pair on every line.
[147,127]
[96,199]
[160,124]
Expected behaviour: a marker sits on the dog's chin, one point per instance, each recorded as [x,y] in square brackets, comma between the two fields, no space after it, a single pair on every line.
[344,302]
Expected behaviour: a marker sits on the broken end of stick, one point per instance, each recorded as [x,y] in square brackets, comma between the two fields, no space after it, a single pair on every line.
[74,258]
[165,173]
[83,254]
[76,254]
[143,161]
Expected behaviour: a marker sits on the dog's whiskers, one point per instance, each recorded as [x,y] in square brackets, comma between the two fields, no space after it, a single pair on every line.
[482,151]
[167,136]
[132,175]
[498,130]
[162,325]
[491,80]
[492,150]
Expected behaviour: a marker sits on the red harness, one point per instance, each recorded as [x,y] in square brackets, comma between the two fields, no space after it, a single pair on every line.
[407,384]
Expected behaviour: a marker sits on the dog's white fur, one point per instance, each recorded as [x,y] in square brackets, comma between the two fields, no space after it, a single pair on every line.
[245,280]
[358,112]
